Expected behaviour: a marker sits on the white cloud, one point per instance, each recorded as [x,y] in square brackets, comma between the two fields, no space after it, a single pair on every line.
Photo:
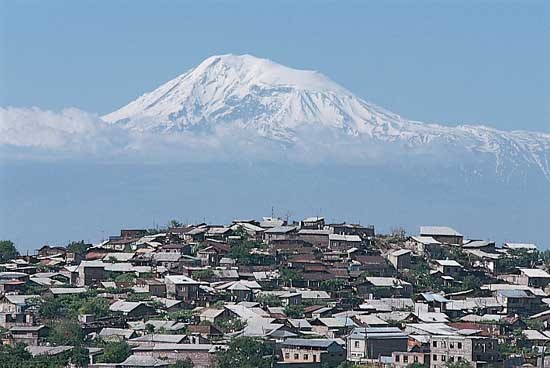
[74,134]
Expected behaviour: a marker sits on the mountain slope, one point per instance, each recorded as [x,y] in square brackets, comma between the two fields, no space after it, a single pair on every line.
[281,104]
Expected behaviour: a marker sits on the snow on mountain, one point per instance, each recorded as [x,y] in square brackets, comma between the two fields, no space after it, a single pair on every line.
[273,101]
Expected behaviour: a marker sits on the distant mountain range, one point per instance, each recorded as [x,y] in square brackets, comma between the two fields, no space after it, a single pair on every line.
[286,106]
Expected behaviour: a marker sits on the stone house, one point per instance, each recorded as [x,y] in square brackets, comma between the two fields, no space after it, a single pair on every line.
[366,343]
[312,352]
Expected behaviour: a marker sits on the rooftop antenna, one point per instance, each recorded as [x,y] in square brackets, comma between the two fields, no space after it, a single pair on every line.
[272,211]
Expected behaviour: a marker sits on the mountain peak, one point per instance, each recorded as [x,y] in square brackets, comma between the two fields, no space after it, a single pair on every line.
[255,97]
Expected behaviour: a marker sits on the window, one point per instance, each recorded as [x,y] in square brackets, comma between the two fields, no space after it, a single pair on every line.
[397,358]
[459,358]
[287,355]
[435,358]
[296,356]
[434,344]
[306,357]
[356,344]
[405,358]
[452,359]
[416,358]
[443,358]
[460,345]
[452,345]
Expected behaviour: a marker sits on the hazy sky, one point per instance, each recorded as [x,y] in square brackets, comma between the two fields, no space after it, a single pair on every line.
[438,61]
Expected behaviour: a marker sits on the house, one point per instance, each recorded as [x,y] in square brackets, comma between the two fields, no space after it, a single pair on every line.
[522,302]
[448,267]
[29,335]
[16,303]
[528,247]
[280,233]
[116,334]
[372,265]
[131,309]
[400,259]
[533,277]
[202,355]
[482,259]
[366,343]
[135,361]
[313,223]
[442,234]
[422,244]
[213,253]
[383,287]
[251,229]
[364,232]
[48,251]
[344,242]
[416,355]
[333,327]
[90,273]
[318,238]
[454,348]
[182,288]
[312,352]
[271,222]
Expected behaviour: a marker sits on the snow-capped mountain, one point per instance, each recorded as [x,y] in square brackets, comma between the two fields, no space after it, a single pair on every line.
[273,101]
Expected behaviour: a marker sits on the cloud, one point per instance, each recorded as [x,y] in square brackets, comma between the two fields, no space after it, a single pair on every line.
[44,134]
[73,134]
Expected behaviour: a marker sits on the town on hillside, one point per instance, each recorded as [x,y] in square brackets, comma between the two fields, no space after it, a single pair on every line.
[276,293]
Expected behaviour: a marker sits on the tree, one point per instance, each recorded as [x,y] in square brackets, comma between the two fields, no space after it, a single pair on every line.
[126,277]
[79,356]
[79,248]
[289,275]
[459,364]
[333,285]
[416,365]
[115,352]
[471,283]
[245,352]
[294,310]
[99,307]
[174,223]
[231,324]
[269,300]
[66,332]
[203,275]
[182,363]
[7,250]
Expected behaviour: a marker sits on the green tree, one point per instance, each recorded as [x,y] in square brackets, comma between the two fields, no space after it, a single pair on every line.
[66,332]
[294,310]
[78,247]
[333,285]
[245,352]
[182,363]
[416,365]
[289,275]
[126,277]
[174,223]
[115,352]
[7,250]
[231,324]
[459,364]
[79,356]
[471,282]
[269,300]
[99,307]
[203,275]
